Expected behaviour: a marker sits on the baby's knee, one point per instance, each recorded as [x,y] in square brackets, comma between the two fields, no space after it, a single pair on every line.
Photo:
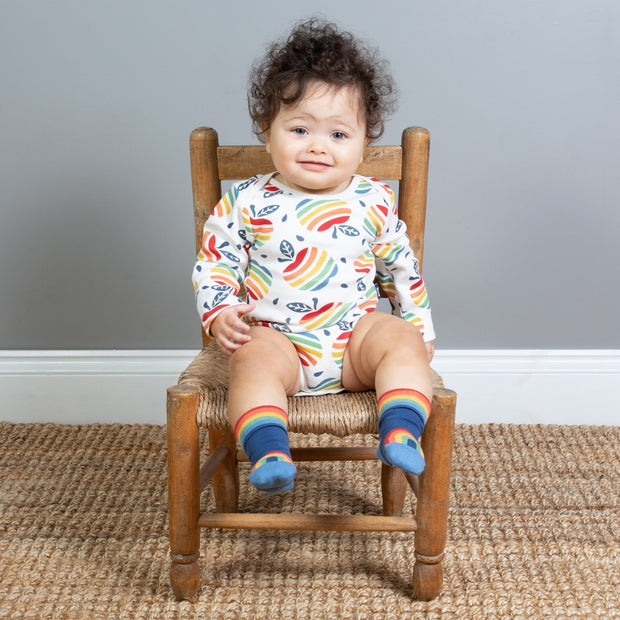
[269,354]
[244,359]
[402,339]
[255,353]
[394,331]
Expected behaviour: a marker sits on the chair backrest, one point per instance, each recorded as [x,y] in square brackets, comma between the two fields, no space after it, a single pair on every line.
[406,163]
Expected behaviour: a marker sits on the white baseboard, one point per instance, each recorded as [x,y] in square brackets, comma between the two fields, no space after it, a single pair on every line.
[533,387]
[505,386]
[83,387]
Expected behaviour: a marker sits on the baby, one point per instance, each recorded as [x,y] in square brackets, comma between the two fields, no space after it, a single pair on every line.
[285,279]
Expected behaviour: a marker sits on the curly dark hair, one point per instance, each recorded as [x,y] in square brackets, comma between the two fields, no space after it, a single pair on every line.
[316,50]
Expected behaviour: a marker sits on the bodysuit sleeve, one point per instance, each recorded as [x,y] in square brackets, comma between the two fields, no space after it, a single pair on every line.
[221,264]
[398,272]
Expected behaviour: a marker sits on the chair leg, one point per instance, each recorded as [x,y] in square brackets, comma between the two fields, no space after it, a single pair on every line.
[226,479]
[183,491]
[393,490]
[433,497]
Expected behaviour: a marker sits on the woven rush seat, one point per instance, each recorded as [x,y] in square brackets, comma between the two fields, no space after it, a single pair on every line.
[341,415]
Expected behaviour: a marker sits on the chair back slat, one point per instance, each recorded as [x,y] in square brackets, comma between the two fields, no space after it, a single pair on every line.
[242,162]
[413,186]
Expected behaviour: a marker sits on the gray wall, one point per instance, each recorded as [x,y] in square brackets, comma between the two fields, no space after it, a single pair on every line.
[97,100]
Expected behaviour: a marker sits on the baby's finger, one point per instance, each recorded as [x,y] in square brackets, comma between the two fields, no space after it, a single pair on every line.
[239,325]
[245,308]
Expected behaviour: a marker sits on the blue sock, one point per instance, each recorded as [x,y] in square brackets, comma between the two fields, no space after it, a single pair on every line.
[402,416]
[264,438]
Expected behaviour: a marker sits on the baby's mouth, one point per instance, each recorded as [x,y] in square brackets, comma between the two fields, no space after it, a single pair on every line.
[314,165]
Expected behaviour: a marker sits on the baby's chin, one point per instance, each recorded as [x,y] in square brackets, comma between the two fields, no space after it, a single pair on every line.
[316,186]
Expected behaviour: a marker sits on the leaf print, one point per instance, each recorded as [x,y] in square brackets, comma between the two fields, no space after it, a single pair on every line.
[287,249]
[218,299]
[297,306]
[416,267]
[230,256]
[349,231]
[268,210]
[280,327]
[245,184]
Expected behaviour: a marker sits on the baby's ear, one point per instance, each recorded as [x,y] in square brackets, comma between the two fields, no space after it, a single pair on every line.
[366,143]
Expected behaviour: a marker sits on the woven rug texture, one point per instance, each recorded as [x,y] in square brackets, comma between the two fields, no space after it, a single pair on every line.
[533,532]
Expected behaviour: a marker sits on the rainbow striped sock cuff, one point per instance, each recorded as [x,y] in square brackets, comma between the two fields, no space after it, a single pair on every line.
[253,419]
[407,399]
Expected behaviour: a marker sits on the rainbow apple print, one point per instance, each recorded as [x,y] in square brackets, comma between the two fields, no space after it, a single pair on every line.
[310,269]
[314,317]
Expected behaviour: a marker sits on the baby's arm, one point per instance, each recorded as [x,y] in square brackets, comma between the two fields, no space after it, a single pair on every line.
[222,261]
[398,274]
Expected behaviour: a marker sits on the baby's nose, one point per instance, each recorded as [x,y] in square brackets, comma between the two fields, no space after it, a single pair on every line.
[317,145]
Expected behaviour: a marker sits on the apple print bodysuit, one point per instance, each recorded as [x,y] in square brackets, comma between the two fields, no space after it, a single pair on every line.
[309,263]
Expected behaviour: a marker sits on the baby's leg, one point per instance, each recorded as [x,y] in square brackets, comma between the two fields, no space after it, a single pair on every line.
[388,354]
[262,373]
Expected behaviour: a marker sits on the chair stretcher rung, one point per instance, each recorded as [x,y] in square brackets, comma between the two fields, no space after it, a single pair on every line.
[307,522]
[413,481]
[210,466]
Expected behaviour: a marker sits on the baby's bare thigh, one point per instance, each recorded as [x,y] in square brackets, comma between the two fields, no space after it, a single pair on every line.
[271,352]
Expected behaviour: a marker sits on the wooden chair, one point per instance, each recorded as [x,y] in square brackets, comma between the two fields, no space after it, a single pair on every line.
[199,400]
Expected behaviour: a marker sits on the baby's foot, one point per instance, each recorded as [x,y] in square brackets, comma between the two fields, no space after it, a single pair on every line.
[401,449]
[273,473]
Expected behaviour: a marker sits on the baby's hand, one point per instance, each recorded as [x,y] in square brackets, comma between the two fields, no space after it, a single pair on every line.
[229,331]
[430,349]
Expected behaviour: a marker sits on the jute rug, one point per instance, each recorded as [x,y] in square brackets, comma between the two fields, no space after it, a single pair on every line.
[534,532]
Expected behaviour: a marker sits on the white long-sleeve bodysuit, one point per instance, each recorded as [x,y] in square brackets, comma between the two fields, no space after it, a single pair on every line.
[308,262]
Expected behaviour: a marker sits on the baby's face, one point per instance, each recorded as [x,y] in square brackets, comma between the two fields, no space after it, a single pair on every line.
[317,143]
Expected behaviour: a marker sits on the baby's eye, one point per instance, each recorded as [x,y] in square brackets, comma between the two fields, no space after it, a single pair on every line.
[339,135]
[300,131]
